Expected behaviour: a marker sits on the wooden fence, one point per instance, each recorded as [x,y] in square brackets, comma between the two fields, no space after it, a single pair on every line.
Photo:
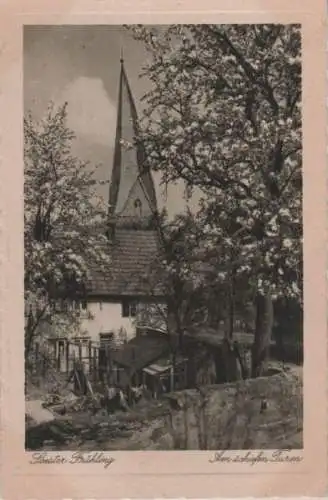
[61,355]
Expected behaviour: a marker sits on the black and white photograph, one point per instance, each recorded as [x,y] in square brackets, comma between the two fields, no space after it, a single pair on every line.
[163,237]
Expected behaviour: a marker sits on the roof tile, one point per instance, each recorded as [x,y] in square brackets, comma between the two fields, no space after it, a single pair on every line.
[134,257]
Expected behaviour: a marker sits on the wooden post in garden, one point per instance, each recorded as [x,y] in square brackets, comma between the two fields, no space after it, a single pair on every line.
[78,378]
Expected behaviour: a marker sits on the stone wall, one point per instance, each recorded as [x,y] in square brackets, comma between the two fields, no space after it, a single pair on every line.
[263,413]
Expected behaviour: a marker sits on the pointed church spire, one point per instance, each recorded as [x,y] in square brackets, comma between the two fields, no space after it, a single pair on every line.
[132,191]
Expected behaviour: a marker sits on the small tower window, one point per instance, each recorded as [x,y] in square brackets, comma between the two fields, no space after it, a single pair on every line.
[138,207]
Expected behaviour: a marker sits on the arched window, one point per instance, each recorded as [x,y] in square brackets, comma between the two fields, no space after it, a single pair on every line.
[138,207]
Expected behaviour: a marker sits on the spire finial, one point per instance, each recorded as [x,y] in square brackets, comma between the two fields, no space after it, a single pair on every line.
[121,58]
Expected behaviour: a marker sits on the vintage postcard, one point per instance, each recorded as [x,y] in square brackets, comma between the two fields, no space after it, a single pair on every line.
[163,249]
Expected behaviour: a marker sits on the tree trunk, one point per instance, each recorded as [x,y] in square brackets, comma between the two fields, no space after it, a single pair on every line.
[230,362]
[174,326]
[231,299]
[231,314]
[29,334]
[33,321]
[263,331]
[242,362]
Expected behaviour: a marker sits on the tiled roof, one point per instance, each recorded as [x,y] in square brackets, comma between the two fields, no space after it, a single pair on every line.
[133,269]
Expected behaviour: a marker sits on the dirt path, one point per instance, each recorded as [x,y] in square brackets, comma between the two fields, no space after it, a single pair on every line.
[35,411]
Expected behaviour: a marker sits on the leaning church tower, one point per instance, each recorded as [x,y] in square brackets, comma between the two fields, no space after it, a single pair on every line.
[132,197]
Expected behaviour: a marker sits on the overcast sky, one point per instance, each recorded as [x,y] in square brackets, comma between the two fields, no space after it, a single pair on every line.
[80,65]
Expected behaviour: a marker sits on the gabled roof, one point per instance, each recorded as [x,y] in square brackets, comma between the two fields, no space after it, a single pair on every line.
[134,268]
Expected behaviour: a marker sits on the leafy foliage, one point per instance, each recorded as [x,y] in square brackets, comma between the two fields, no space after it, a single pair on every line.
[224,115]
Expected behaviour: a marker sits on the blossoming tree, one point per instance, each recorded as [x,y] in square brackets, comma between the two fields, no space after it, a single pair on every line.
[62,217]
[224,115]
